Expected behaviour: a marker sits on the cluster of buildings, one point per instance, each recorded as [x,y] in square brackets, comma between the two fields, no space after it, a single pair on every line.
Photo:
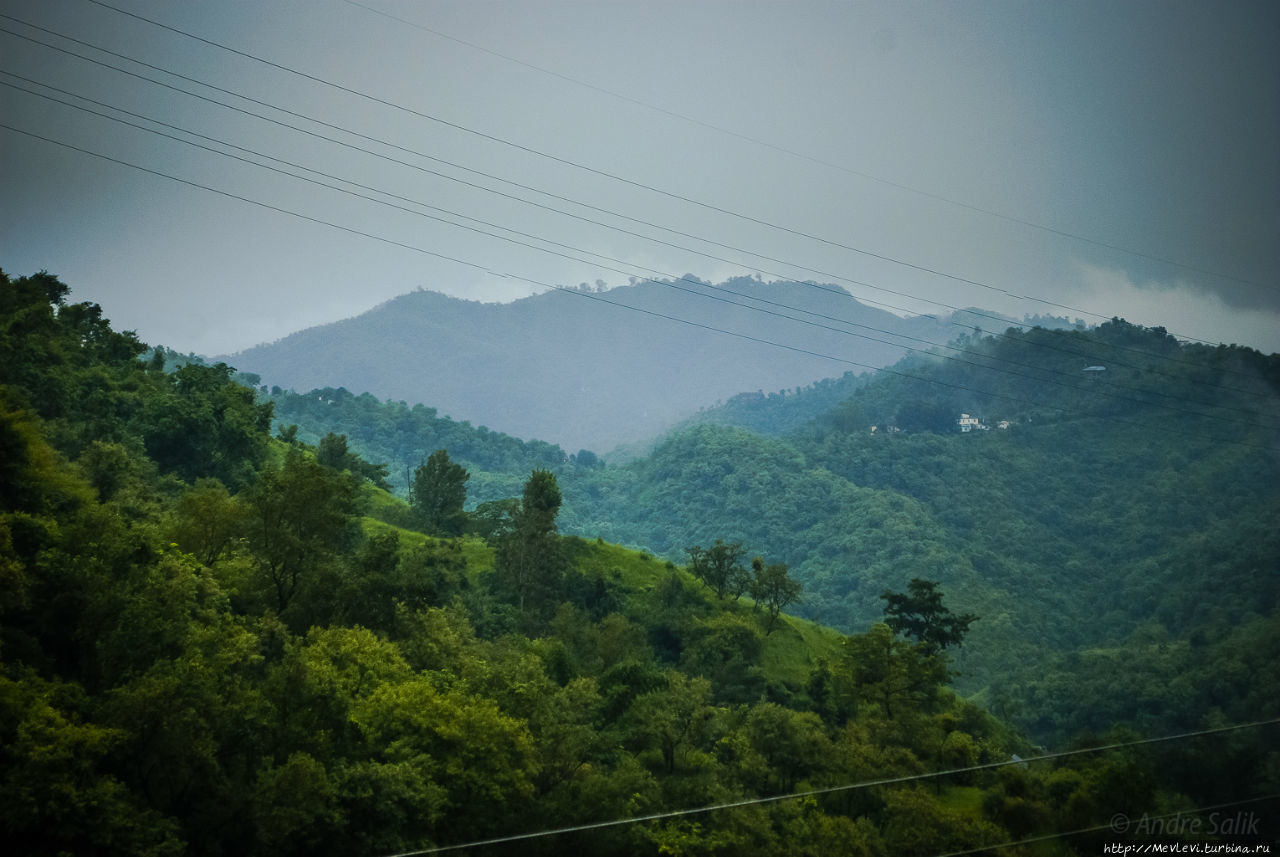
[968,424]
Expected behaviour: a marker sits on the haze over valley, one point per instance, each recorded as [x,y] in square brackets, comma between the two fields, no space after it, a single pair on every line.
[598,368]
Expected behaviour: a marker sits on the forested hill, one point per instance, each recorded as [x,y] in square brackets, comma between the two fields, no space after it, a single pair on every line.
[214,641]
[403,436]
[1119,524]
[1113,522]
[1052,370]
[577,370]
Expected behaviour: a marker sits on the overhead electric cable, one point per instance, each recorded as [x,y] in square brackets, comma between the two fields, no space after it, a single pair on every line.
[1110,826]
[455,165]
[885,781]
[748,337]
[178,89]
[702,123]
[545,193]
[672,284]
[286,125]
[593,170]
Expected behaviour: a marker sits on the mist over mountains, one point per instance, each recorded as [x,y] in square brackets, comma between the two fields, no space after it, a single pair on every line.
[597,369]
[1105,529]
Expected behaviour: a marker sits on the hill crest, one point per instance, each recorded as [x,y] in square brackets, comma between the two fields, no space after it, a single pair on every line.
[594,370]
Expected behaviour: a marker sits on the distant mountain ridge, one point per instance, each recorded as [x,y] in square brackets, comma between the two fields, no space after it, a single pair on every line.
[1115,534]
[594,370]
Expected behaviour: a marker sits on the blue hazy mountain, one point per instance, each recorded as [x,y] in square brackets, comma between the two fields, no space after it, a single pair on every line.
[597,369]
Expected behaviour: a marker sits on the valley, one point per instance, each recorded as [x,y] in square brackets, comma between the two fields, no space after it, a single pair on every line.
[223,628]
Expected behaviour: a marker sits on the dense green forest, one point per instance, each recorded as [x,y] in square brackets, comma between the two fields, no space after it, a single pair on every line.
[221,634]
[1110,514]
[1119,524]
[396,433]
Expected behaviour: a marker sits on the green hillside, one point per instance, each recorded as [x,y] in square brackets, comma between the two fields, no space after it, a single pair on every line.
[1099,508]
[1107,510]
[217,641]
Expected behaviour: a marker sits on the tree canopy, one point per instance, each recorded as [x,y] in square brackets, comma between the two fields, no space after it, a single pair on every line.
[245,646]
[438,494]
[919,613]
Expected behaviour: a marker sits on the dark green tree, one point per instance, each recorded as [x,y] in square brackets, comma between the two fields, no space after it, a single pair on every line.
[674,719]
[927,415]
[333,452]
[897,675]
[847,417]
[773,589]
[298,516]
[495,519]
[207,425]
[720,568]
[438,493]
[206,520]
[530,563]
[726,649]
[792,743]
[540,503]
[108,467]
[920,614]
[55,797]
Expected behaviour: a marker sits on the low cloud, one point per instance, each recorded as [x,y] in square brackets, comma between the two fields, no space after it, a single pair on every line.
[1181,308]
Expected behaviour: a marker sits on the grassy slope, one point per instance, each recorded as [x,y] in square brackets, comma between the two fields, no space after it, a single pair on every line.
[790,653]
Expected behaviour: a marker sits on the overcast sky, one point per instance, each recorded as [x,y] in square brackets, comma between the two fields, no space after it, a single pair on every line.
[1087,159]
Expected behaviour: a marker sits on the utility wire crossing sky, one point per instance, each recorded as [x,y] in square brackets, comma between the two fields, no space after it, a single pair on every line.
[1114,159]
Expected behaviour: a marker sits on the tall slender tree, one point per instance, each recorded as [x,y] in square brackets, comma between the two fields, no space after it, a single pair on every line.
[529,563]
[438,493]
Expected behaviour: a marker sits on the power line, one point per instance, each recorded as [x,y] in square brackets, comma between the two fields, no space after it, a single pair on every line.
[318,221]
[246,199]
[214,101]
[593,170]
[454,165]
[599,298]
[840,292]
[885,781]
[1036,343]
[805,157]
[654,313]
[672,284]
[457,166]
[1111,826]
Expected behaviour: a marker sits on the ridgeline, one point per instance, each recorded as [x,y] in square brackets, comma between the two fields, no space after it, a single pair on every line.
[218,639]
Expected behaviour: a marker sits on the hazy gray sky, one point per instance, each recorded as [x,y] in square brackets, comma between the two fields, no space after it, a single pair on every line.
[1152,127]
